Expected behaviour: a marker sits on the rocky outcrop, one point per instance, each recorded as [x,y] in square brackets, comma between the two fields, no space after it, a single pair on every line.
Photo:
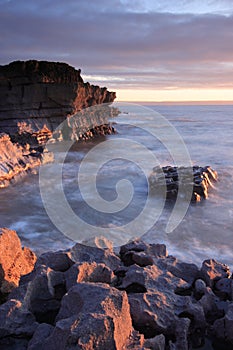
[39,101]
[41,93]
[16,160]
[92,298]
[201,180]
[15,261]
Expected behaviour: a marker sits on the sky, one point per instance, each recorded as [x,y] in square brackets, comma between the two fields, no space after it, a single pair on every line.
[145,50]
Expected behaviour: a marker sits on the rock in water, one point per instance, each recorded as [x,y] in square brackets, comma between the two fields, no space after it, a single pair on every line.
[167,180]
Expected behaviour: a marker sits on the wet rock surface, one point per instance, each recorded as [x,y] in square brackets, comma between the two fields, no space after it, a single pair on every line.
[17,160]
[92,298]
[189,183]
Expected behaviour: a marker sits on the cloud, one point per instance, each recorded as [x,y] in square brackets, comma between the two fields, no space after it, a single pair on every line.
[131,48]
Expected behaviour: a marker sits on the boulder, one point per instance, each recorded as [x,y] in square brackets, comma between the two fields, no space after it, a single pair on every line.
[15,261]
[213,271]
[42,332]
[88,272]
[222,327]
[101,309]
[16,321]
[81,253]
[156,343]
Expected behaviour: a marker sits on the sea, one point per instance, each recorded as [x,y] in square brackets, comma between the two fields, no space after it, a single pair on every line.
[103,186]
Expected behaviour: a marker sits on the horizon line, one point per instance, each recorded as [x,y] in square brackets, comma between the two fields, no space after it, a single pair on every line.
[191,102]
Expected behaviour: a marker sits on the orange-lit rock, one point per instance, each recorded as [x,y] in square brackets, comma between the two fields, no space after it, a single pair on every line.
[15,261]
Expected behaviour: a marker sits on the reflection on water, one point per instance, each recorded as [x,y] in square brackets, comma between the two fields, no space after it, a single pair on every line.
[206,230]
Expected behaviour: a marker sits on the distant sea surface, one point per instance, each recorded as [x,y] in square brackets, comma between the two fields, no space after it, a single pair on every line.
[206,230]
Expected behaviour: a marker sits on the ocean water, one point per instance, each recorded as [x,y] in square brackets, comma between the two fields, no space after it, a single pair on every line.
[204,232]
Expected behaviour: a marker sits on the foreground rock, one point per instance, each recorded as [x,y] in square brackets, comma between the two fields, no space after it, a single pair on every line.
[15,261]
[91,298]
[198,179]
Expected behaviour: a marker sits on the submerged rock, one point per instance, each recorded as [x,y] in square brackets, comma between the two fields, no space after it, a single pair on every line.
[168,180]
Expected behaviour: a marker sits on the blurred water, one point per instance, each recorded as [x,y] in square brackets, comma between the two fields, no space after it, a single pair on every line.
[206,230]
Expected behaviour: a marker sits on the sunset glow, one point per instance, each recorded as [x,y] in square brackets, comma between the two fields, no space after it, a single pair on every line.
[176,95]
[144,50]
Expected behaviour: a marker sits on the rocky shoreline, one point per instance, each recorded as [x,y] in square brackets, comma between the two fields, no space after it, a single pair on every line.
[44,101]
[88,297]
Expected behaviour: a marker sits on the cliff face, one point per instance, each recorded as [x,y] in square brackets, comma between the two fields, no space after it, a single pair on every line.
[41,93]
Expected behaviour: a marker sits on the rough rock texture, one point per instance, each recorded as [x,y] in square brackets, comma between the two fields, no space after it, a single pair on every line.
[201,180]
[43,93]
[35,98]
[90,298]
[16,160]
[15,261]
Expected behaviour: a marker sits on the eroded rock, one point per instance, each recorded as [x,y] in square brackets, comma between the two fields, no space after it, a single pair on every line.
[86,298]
[213,271]
[193,182]
[15,261]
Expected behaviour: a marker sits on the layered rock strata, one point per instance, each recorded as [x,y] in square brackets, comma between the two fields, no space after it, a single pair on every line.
[41,93]
[16,159]
[142,298]
[41,101]
[198,180]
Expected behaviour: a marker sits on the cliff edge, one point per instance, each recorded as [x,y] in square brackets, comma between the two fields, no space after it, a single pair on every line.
[41,93]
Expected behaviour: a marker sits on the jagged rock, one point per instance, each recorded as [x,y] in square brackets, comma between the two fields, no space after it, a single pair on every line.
[104,309]
[156,343]
[16,160]
[154,306]
[167,179]
[42,94]
[44,294]
[186,271]
[71,300]
[15,261]
[139,258]
[209,302]
[42,332]
[186,308]
[155,250]
[182,334]
[16,321]
[213,270]
[58,261]
[223,288]
[223,327]
[81,253]
[88,272]
[200,288]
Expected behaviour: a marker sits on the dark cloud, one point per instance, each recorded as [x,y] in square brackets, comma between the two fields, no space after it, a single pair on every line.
[141,49]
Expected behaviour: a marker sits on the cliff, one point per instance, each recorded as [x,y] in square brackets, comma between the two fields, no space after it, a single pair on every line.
[35,98]
[41,93]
